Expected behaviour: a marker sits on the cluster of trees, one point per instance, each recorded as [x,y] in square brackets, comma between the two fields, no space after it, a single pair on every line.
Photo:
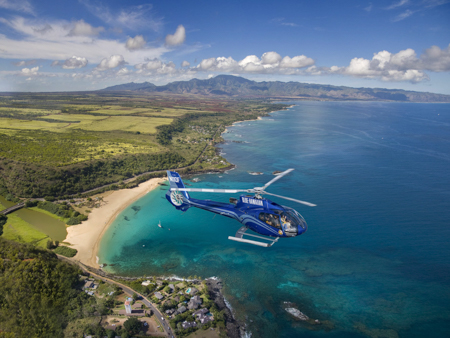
[3,219]
[39,294]
[24,180]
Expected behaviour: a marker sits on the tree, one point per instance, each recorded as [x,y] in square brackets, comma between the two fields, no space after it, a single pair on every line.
[135,296]
[3,220]
[132,325]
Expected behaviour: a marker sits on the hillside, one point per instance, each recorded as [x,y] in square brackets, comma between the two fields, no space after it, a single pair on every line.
[234,86]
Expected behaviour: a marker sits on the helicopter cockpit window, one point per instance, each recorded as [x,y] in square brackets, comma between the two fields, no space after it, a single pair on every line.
[293,217]
[271,219]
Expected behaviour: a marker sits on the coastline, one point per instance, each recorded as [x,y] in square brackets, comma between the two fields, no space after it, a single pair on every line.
[86,237]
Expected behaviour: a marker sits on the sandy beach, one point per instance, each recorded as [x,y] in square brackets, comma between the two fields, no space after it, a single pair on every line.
[86,237]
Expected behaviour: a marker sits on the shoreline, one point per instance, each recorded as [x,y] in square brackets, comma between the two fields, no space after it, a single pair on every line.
[86,237]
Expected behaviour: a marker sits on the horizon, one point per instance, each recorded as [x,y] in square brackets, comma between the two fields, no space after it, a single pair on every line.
[89,45]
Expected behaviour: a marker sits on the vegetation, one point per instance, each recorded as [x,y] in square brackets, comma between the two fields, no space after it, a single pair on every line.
[3,219]
[39,294]
[61,145]
[65,251]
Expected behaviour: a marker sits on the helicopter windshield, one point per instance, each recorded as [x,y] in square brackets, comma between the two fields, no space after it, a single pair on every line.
[293,217]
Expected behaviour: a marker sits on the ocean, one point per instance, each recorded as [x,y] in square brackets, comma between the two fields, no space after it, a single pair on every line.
[375,261]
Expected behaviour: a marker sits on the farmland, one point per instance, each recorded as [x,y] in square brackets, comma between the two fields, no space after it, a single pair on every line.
[61,144]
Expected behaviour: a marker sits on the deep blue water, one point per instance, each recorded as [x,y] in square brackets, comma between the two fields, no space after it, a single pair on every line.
[375,260]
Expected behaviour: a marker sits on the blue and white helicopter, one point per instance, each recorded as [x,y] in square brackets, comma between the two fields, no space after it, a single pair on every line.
[256,213]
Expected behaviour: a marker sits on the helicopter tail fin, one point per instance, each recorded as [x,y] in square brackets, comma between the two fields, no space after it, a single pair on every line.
[179,199]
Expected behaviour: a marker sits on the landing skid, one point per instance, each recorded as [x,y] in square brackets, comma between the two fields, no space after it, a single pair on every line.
[241,232]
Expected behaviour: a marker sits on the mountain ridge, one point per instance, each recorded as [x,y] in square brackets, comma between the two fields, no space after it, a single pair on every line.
[239,87]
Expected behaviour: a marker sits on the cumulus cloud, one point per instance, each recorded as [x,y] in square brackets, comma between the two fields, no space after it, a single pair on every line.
[75,62]
[436,59]
[156,66]
[111,62]
[177,38]
[185,64]
[299,61]
[402,66]
[135,43]
[270,63]
[30,71]
[81,28]
[270,58]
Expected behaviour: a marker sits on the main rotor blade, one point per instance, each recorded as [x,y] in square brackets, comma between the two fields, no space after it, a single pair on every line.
[277,178]
[225,191]
[291,199]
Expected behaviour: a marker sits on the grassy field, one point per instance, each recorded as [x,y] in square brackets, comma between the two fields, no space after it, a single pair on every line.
[18,230]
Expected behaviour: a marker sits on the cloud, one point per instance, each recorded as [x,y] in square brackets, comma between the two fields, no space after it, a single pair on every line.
[185,64]
[270,63]
[81,28]
[18,5]
[135,43]
[156,66]
[30,71]
[24,63]
[34,42]
[133,17]
[402,66]
[270,58]
[177,38]
[436,59]
[75,62]
[282,22]
[111,62]
[369,8]
[296,62]
[397,4]
[403,15]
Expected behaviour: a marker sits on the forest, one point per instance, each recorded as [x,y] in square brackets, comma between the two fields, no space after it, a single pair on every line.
[39,294]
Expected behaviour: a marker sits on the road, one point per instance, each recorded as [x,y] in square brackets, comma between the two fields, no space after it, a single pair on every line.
[167,329]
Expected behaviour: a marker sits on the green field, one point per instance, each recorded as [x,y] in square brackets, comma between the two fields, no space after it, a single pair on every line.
[18,230]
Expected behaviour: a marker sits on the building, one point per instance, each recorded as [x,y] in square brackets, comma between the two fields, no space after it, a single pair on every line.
[181,309]
[194,303]
[128,307]
[187,325]
[172,287]
[158,295]
[146,283]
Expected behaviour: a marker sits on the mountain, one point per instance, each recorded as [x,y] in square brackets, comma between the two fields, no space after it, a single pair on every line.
[234,86]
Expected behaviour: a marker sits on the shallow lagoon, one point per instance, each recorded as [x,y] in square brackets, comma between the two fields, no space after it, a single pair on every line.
[375,260]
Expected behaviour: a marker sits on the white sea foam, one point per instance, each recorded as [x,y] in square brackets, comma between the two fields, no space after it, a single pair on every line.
[213,278]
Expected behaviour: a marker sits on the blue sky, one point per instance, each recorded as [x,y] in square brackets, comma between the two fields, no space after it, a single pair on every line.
[50,45]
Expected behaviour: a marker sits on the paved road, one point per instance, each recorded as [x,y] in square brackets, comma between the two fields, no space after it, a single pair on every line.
[167,329]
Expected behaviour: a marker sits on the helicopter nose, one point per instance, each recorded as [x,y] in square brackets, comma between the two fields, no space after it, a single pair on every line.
[302,227]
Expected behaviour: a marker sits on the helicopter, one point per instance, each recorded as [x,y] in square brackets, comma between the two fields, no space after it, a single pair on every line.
[271,221]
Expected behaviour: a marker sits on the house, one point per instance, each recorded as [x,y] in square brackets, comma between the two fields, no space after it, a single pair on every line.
[158,295]
[187,325]
[194,303]
[170,311]
[202,311]
[192,291]
[172,287]
[177,299]
[88,284]
[146,283]
[181,309]
[206,319]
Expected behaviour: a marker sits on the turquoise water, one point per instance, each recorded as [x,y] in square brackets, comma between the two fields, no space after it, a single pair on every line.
[375,260]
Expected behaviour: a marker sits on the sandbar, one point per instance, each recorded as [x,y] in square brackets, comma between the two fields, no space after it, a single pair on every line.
[86,237]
